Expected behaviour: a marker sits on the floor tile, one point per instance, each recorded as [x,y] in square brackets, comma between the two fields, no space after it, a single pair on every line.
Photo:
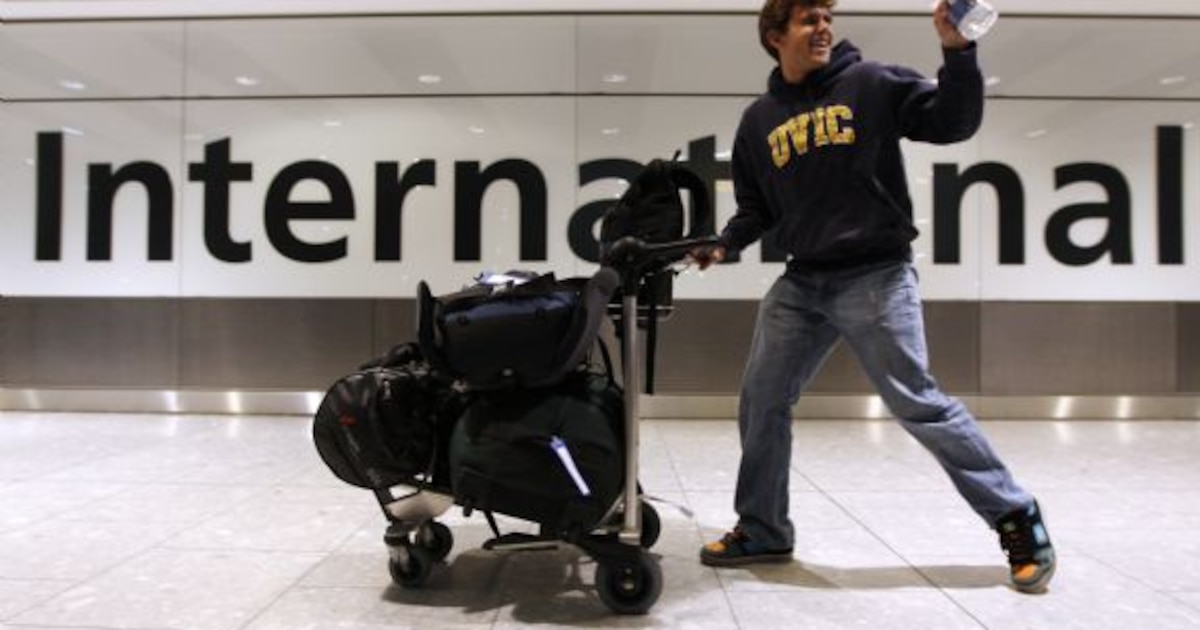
[1085,594]
[371,609]
[18,595]
[846,609]
[73,550]
[198,590]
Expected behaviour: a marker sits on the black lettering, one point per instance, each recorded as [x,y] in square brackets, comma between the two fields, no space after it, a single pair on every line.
[1117,240]
[48,237]
[280,210]
[581,231]
[469,187]
[103,185]
[217,171]
[389,202]
[1170,195]
[702,159]
[949,187]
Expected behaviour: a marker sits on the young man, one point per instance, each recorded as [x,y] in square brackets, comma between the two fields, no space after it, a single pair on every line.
[817,159]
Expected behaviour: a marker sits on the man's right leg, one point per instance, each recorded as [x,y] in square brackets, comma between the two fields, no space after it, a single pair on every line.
[791,341]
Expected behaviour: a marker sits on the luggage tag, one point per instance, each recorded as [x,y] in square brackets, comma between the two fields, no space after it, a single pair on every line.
[564,455]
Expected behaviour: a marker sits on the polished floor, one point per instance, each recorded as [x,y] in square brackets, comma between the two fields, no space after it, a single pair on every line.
[222,523]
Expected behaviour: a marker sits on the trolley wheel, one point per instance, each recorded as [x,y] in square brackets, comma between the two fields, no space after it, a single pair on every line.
[413,569]
[629,587]
[651,525]
[437,538]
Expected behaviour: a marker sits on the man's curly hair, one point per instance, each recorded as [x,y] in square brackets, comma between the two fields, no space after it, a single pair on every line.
[775,15]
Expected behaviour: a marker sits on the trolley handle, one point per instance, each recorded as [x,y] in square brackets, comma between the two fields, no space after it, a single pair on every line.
[632,256]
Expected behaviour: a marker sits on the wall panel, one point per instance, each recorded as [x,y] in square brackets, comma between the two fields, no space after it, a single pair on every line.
[76,342]
[1068,348]
[263,344]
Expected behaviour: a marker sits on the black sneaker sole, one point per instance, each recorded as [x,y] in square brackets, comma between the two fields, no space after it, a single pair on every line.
[768,557]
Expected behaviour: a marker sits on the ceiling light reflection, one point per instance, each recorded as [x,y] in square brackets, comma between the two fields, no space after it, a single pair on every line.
[875,407]
[875,432]
[430,79]
[1125,432]
[246,81]
[73,85]
[615,78]
[171,401]
[1064,407]
[233,402]
[314,401]
[1064,432]
[171,427]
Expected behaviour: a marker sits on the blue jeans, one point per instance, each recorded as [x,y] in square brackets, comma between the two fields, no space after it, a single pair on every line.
[877,310]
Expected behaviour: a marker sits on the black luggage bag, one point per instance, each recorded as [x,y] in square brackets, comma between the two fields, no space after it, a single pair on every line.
[554,456]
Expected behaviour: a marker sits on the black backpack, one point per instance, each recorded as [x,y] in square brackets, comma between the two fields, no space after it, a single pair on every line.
[652,208]
[386,425]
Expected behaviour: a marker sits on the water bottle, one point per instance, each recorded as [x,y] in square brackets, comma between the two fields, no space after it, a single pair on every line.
[973,18]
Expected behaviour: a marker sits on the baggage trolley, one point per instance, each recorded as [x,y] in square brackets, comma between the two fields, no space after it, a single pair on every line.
[628,577]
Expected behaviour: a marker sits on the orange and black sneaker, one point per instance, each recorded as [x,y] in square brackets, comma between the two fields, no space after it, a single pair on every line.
[736,549]
[1031,558]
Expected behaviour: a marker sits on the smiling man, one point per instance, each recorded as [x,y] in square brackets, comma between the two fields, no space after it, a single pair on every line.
[817,159]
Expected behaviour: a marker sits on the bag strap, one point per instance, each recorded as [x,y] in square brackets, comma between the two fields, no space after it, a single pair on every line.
[427,334]
[585,322]
[700,216]
[651,330]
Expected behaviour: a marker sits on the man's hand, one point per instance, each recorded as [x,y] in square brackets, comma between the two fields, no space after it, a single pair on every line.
[707,255]
[946,30]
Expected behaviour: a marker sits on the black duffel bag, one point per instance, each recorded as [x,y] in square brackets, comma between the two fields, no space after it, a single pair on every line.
[531,334]
[554,456]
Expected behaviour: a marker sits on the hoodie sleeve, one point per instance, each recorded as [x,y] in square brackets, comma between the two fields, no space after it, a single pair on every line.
[752,218]
[950,110]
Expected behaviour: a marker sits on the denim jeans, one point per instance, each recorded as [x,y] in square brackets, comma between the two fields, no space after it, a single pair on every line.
[877,310]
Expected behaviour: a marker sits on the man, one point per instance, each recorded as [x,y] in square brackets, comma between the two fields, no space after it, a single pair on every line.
[817,159]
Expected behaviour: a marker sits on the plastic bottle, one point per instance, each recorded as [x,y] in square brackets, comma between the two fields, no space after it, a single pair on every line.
[973,18]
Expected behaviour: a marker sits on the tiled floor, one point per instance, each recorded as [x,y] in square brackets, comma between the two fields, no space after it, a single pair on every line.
[220,523]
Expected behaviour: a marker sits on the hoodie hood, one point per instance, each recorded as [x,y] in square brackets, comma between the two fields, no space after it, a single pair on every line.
[844,55]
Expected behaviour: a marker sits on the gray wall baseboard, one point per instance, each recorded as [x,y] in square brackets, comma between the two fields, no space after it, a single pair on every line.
[685,407]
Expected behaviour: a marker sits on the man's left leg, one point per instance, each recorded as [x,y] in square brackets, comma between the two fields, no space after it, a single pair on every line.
[880,314]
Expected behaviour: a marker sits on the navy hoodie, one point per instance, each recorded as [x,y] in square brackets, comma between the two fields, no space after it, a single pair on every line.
[820,161]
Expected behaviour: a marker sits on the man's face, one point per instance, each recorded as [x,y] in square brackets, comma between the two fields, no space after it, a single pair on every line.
[806,44]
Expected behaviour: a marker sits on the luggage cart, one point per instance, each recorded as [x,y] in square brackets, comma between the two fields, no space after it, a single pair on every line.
[628,578]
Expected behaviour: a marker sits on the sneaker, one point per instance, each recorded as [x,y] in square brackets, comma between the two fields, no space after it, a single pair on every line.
[735,549]
[1030,555]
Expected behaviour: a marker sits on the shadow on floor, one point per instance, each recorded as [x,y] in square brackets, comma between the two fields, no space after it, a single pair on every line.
[558,586]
